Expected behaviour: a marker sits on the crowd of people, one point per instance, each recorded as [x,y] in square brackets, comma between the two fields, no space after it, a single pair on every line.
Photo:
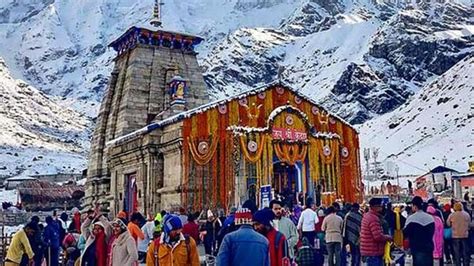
[275,235]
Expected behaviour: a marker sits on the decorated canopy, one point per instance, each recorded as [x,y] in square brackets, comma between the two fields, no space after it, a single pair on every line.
[245,142]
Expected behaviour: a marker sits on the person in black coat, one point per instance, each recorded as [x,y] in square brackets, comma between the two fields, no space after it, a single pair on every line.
[37,242]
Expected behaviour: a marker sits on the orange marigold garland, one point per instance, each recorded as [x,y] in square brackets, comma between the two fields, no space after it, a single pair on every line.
[252,150]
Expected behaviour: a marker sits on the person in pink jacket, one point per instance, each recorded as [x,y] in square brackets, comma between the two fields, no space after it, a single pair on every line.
[438,237]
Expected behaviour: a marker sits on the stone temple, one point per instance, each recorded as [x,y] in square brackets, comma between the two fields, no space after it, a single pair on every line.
[159,142]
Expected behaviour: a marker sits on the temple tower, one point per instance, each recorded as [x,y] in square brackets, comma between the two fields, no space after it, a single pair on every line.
[156,74]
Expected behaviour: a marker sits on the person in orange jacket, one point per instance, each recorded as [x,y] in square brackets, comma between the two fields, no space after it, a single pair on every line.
[172,247]
[134,227]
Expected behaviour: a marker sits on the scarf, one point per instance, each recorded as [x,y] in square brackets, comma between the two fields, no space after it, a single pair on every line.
[77,222]
[398,234]
[101,249]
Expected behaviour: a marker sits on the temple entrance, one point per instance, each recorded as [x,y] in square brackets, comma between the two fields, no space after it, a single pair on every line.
[131,200]
[287,182]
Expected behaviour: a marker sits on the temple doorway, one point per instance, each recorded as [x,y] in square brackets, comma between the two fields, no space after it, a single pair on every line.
[287,182]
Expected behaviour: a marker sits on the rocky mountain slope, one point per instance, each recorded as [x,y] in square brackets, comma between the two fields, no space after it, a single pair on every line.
[360,58]
[437,122]
[37,135]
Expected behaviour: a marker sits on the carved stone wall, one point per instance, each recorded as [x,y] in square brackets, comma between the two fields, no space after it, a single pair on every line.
[137,92]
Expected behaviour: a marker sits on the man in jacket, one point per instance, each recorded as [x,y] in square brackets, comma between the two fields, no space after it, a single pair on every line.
[419,229]
[372,239]
[459,222]
[20,245]
[244,247]
[173,248]
[332,226]
[285,226]
[52,240]
[351,233]
[276,240]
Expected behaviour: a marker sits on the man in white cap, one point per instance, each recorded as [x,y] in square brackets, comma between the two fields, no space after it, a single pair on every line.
[245,246]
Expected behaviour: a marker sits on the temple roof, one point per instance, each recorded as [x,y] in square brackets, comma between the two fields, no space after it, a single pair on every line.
[159,37]
[203,108]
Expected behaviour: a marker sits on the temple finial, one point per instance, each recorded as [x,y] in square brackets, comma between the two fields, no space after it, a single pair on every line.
[156,18]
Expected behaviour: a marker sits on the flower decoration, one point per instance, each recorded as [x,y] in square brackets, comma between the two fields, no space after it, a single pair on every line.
[252,146]
[222,109]
[326,150]
[203,147]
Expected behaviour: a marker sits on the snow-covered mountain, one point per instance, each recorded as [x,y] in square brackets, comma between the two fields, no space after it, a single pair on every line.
[359,58]
[37,135]
[437,122]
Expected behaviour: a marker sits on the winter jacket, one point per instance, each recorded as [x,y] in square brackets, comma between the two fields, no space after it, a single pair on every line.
[135,232]
[124,250]
[306,254]
[438,238]
[278,247]
[148,228]
[191,229]
[86,229]
[176,256]
[372,239]
[351,231]
[419,229]
[459,221]
[244,247]
[19,246]
[288,229]
[51,234]
[332,226]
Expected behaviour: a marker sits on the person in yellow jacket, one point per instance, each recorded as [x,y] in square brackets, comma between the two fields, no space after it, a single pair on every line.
[172,248]
[20,245]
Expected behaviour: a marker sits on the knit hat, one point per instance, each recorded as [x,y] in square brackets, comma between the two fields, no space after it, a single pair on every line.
[321,213]
[458,206]
[243,216]
[122,215]
[431,210]
[120,223]
[233,210]
[264,217]
[171,222]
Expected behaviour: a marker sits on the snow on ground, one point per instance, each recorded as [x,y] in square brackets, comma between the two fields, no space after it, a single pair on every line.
[37,135]
[8,196]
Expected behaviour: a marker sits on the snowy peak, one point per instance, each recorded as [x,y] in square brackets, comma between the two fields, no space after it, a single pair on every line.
[37,135]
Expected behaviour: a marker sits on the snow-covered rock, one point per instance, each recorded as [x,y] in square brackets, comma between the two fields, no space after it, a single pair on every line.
[437,122]
[38,135]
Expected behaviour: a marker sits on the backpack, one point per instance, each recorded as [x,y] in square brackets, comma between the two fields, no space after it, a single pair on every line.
[187,241]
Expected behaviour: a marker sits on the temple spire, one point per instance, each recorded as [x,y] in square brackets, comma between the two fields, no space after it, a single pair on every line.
[156,18]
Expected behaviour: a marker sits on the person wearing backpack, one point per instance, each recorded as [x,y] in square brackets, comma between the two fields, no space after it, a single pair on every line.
[277,243]
[172,247]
